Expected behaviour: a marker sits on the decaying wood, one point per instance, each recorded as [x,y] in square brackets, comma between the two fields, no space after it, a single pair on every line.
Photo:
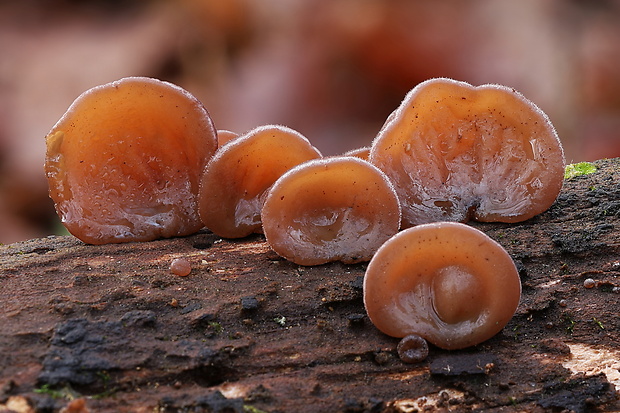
[247,331]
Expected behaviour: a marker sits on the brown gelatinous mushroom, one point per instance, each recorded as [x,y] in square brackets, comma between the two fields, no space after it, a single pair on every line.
[446,282]
[332,209]
[234,182]
[456,152]
[124,162]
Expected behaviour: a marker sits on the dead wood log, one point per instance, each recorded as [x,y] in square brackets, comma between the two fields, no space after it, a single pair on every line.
[248,331]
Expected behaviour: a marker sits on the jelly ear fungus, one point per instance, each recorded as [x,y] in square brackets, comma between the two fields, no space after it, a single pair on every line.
[124,162]
[446,282]
[332,209]
[456,152]
[235,181]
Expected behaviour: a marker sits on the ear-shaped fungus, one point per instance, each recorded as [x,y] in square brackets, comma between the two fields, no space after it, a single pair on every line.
[456,152]
[446,282]
[124,162]
[235,181]
[339,208]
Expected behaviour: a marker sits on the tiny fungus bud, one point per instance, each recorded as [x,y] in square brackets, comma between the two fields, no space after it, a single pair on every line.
[333,209]
[446,282]
[225,136]
[181,267]
[236,179]
[456,152]
[589,283]
[412,349]
[124,162]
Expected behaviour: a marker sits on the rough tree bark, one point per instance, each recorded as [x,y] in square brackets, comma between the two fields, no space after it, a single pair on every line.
[247,331]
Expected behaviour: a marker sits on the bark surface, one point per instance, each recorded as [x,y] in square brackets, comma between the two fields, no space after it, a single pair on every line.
[111,328]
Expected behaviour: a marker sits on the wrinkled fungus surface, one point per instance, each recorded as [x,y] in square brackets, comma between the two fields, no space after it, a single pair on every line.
[446,282]
[333,209]
[456,152]
[235,181]
[124,162]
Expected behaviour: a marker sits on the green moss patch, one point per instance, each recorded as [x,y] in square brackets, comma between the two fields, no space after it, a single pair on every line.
[579,169]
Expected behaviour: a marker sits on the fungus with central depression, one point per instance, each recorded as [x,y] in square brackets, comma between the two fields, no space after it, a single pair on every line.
[446,282]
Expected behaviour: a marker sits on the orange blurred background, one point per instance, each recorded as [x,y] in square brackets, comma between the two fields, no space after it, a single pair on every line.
[331,69]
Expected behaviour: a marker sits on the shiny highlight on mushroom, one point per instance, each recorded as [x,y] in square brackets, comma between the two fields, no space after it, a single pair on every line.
[446,282]
[456,152]
[124,162]
[332,209]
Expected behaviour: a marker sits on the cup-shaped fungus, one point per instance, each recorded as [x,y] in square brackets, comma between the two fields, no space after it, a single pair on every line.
[446,282]
[235,181]
[124,162]
[332,209]
[456,152]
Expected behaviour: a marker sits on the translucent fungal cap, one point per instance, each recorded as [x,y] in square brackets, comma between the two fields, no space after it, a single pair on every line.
[333,209]
[446,282]
[456,152]
[234,183]
[124,162]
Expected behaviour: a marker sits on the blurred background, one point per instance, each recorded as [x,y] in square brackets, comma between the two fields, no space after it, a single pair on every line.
[331,69]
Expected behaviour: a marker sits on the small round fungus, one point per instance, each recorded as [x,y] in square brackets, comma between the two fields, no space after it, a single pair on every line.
[446,282]
[332,209]
[124,162]
[412,349]
[181,267]
[457,152]
[589,283]
[235,181]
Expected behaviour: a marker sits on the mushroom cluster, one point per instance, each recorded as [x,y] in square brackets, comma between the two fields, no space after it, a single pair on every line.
[139,159]
[234,182]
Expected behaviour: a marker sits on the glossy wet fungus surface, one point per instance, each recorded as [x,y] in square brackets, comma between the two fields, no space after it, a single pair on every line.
[333,209]
[235,181]
[456,152]
[446,282]
[124,162]
[450,152]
